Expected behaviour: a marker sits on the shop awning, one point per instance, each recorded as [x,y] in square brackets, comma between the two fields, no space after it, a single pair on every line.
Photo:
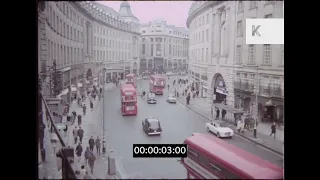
[228,108]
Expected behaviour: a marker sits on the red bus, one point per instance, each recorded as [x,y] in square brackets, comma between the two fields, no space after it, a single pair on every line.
[157,84]
[131,79]
[212,158]
[128,100]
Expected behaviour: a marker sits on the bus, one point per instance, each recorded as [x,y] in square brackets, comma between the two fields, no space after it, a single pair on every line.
[128,100]
[157,84]
[212,158]
[131,79]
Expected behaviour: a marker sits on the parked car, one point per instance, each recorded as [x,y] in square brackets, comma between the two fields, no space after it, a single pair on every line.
[151,98]
[151,126]
[171,98]
[219,129]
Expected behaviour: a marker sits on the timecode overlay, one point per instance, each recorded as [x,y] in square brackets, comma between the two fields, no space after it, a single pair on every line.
[159,150]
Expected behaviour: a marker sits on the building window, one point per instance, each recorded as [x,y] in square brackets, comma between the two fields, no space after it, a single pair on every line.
[143,48]
[151,49]
[239,28]
[207,55]
[251,54]
[239,52]
[203,20]
[207,18]
[240,6]
[253,4]
[151,39]
[202,57]
[202,36]
[268,16]
[207,34]
[267,54]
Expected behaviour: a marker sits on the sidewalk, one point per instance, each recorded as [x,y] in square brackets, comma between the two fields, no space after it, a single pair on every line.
[92,126]
[203,108]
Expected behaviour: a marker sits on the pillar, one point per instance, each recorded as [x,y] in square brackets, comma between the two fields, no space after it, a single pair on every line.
[217,32]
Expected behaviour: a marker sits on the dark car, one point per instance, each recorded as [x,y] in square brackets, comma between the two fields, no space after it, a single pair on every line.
[151,98]
[151,126]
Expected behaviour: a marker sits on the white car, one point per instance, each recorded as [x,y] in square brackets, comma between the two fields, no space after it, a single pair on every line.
[171,99]
[219,129]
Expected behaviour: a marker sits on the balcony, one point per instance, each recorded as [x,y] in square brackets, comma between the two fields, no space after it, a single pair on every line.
[245,86]
[271,92]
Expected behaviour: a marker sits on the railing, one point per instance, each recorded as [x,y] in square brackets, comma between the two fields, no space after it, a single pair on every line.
[271,92]
[63,161]
[245,86]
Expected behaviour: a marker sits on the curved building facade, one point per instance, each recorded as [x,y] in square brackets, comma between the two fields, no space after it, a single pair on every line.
[211,49]
[78,39]
[163,47]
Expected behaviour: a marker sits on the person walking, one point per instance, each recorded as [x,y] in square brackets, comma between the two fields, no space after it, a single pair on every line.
[217,114]
[273,130]
[84,109]
[75,134]
[98,145]
[80,134]
[91,105]
[239,125]
[87,154]
[255,125]
[79,151]
[91,143]
[79,120]
[92,159]
[197,93]
[223,113]
[66,130]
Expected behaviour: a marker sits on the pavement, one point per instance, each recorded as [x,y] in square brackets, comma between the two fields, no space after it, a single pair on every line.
[202,107]
[92,126]
[178,122]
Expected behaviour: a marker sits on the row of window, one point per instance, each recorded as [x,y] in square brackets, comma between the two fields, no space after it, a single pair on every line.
[273,82]
[63,28]
[201,55]
[240,25]
[103,42]
[252,5]
[174,49]
[199,37]
[266,57]
[175,41]
[202,20]
[111,33]
[110,55]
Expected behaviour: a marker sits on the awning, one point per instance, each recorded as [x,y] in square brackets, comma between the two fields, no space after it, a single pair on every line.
[228,108]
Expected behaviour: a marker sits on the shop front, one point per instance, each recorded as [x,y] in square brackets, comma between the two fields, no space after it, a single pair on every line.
[204,90]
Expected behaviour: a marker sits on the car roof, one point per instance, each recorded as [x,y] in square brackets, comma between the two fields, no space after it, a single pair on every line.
[151,119]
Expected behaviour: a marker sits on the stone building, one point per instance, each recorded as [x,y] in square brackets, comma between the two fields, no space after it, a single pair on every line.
[83,38]
[163,47]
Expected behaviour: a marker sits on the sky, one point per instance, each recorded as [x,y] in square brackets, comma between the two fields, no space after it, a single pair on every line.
[174,12]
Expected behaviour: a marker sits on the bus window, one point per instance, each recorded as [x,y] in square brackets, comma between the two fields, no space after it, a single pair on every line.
[192,154]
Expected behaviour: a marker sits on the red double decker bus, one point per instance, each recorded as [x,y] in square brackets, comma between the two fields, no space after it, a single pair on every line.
[128,100]
[157,84]
[131,79]
[212,158]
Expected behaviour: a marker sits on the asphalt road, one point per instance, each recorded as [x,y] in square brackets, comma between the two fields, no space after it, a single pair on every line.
[177,121]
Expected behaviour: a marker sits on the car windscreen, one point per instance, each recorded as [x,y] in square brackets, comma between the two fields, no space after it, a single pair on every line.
[154,124]
[151,96]
[171,96]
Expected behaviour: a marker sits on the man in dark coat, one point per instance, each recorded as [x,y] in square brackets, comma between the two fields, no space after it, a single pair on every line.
[92,158]
[84,108]
[223,113]
[91,105]
[80,133]
[87,154]
[79,151]
[91,143]
[273,130]
[98,144]
[79,120]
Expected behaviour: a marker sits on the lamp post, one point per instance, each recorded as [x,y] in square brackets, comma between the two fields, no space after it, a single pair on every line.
[103,116]
[257,90]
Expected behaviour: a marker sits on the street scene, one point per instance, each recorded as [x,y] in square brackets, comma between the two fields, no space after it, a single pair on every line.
[112,75]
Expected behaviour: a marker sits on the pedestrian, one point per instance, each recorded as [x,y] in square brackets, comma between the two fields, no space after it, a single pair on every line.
[217,114]
[91,105]
[68,119]
[79,151]
[91,143]
[87,176]
[79,120]
[98,144]
[75,134]
[239,125]
[92,158]
[273,129]
[84,108]
[197,93]
[223,113]
[87,154]
[82,171]
[100,90]
[255,125]
[80,134]
[66,130]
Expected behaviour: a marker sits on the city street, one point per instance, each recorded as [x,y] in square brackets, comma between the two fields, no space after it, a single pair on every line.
[177,121]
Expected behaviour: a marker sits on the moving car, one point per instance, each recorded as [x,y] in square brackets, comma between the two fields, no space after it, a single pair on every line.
[151,126]
[151,98]
[171,99]
[219,129]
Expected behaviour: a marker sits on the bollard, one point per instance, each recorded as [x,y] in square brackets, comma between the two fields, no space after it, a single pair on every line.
[111,166]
